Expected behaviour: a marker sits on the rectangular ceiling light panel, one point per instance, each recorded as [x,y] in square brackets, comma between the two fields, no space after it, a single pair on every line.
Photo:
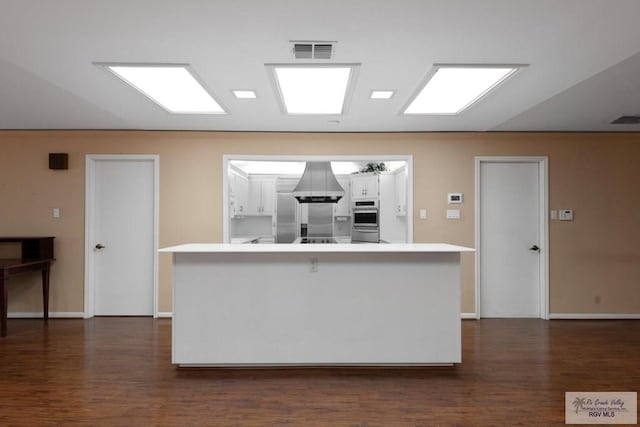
[313,89]
[451,89]
[173,87]
[244,94]
[382,94]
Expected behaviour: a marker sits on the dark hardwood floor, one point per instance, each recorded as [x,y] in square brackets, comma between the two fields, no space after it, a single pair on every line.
[117,371]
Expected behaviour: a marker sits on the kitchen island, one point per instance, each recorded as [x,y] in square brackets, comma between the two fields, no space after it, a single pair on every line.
[316,304]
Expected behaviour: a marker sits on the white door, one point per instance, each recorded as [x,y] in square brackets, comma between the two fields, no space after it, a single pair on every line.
[121,241]
[510,239]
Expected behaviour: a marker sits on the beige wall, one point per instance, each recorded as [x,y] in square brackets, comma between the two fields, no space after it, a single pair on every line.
[595,257]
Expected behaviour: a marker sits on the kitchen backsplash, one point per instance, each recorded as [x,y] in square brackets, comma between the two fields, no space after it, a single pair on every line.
[251,226]
[261,226]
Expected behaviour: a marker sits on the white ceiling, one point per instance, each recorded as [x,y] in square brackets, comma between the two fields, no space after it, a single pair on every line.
[584,58]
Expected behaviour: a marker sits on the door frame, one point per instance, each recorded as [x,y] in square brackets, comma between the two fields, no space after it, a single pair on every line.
[543,225]
[89,267]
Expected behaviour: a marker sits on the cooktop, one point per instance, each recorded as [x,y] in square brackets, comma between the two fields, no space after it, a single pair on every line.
[318,240]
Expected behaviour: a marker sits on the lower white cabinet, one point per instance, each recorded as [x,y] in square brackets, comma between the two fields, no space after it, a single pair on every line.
[264,306]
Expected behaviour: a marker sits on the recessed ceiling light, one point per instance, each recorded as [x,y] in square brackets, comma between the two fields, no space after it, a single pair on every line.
[313,89]
[244,94]
[382,94]
[451,89]
[173,87]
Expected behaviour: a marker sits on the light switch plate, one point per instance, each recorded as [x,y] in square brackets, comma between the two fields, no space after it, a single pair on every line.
[554,214]
[56,212]
[423,214]
[453,213]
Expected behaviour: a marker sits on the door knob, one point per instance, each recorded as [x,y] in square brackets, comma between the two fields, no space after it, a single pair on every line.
[100,246]
[534,248]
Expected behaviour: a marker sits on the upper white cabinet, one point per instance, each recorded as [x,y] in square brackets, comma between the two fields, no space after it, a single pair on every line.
[343,207]
[262,193]
[268,196]
[238,194]
[364,186]
[401,191]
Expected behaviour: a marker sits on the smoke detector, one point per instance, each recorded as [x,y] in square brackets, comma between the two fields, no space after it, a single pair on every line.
[304,49]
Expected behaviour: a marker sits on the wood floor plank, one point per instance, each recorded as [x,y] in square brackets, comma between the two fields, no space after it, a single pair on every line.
[117,371]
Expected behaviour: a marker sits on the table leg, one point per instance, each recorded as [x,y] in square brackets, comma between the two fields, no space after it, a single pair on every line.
[45,293]
[4,297]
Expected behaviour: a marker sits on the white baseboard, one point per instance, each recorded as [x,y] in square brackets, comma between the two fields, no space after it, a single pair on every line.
[52,314]
[168,314]
[63,315]
[594,316]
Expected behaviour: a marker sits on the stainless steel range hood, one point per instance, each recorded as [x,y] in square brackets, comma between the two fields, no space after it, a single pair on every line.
[318,184]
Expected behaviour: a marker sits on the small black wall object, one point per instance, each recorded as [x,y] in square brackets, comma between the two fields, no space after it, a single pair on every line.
[59,161]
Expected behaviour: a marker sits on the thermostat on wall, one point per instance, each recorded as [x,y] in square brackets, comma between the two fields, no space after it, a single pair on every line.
[454,198]
[566,215]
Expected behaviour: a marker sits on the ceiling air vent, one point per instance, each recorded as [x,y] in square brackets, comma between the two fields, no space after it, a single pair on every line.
[303,51]
[626,120]
[322,51]
[313,50]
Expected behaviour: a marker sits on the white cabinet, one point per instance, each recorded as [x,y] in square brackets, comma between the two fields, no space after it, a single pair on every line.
[393,227]
[268,196]
[262,192]
[255,189]
[238,194]
[364,186]
[401,191]
[343,207]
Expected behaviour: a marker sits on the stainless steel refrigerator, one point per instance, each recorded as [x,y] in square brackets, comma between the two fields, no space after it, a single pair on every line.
[286,218]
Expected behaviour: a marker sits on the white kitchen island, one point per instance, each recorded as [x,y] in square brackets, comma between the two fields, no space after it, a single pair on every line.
[320,304]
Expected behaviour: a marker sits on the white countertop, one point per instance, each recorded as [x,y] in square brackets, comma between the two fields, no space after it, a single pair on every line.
[328,248]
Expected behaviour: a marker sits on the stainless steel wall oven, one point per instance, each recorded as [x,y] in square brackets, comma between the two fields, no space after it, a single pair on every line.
[366,217]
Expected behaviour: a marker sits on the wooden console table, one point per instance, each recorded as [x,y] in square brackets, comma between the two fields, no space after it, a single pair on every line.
[36,255]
